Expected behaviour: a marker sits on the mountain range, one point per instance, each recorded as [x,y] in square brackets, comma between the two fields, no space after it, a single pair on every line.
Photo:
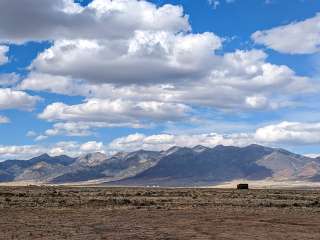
[177,166]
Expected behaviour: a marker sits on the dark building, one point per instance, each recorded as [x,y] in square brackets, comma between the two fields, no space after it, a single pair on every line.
[243,186]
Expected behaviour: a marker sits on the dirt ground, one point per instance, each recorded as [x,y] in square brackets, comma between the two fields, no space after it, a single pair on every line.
[139,213]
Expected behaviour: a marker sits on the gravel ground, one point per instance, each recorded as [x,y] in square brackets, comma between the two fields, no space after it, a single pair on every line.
[139,213]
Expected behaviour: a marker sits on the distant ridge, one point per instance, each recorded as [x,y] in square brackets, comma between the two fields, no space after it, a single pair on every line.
[177,166]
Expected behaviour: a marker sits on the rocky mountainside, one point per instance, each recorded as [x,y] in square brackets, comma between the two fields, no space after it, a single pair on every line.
[91,167]
[119,166]
[177,166]
[40,168]
[187,166]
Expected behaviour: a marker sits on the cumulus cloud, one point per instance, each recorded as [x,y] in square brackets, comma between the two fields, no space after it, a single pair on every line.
[40,138]
[31,134]
[4,119]
[12,99]
[148,57]
[82,119]
[290,132]
[92,147]
[284,133]
[56,84]
[241,80]
[312,155]
[301,37]
[70,129]
[281,134]
[159,61]
[9,79]
[64,19]
[3,54]
[135,64]
[80,129]
[20,152]
[114,112]
[165,141]
[72,149]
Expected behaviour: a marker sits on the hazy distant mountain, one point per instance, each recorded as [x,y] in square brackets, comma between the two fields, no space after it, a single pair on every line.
[315,168]
[119,166]
[39,168]
[178,166]
[205,166]
[286,165]
[191,166]
[91,159]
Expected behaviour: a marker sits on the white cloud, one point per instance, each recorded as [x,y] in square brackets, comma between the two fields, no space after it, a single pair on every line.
[8,79]
[4,119]
[70,129]
[214,3]
[160,63]
[101,19]
[115,112]
[129,143]
[72,149]
[148,57]
[81,129]
[92,147]
[239,80]
[290,132]
[3,54]
[75,149]
[56,84]
[65,148]
[312,155]
[281,134]
[31,134]
[40,138]
[12,99]
[136,64]
[20,152]
[295,38]
[256,102]
[165,141]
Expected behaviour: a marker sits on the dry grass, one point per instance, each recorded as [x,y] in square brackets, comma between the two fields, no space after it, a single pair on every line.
[139,213]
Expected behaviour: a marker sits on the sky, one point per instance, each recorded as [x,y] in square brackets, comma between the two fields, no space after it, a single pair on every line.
[86,76]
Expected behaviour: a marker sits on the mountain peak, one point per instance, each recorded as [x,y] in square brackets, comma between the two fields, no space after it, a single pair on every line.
[94,155]
[120,154]
[92,159]
[200,148]
[178,166]
[254,145]
[223,147]
[172,150]
[42,156]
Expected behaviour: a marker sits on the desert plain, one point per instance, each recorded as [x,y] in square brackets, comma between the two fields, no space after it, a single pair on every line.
[48,212]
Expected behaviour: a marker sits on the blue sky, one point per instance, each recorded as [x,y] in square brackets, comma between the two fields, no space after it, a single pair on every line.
[121,75]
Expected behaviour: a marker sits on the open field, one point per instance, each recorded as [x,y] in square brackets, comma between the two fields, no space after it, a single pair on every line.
[140,213]
[271,184]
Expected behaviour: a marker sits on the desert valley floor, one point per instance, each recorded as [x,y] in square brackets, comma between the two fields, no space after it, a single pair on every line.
[144,213]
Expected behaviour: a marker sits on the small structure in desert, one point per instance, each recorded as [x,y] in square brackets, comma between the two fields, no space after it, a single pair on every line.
[241,186]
